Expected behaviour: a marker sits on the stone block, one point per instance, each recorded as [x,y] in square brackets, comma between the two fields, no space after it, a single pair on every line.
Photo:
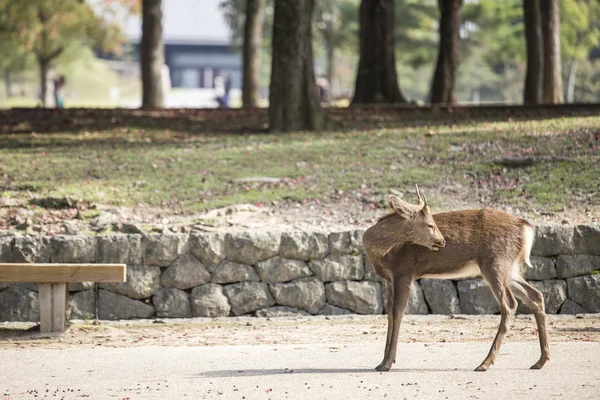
[161,250]
[587,239]
[209,301]
[116,249]
[306,294]
[476,297]
[278,269]
[304,246]
[279,311]
[441,295]
[552,241]
[113,306]
[209,248]
[541,268]
[247,297]
[251,247]
[172,303]
[73,249]
[82,305]
[142,283]
[570,307]
[19,304]
[334,310]
[338,267]
[28,249]
[568,266]
[361,297]
[585,291]
[185,273]
[349,242]
[231,272]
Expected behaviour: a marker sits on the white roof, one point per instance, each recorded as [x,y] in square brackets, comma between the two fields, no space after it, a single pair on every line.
[187,22]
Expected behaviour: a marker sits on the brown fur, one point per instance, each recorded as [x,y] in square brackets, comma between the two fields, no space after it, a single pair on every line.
[478,242]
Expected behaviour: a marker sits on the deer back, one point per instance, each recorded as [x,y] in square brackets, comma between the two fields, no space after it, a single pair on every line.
[475,240]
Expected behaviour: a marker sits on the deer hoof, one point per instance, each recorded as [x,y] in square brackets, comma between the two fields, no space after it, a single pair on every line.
[481,368]
[382,367]
[538,365]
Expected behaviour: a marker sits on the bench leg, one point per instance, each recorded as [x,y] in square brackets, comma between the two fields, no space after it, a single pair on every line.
[53,307]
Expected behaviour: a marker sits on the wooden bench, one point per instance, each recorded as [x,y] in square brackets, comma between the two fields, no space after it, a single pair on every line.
[52,281]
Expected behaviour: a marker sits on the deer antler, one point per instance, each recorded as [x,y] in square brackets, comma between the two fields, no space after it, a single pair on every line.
[422,198]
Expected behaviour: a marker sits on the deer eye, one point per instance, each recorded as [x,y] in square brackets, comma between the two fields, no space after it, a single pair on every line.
[430,227]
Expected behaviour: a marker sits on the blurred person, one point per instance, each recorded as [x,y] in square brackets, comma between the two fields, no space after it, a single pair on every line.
[323,88]
[59,91]
[220,91]
[227,90]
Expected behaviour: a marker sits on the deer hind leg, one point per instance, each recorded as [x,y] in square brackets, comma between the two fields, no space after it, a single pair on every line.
[508,305]
[396,306]
[535,301]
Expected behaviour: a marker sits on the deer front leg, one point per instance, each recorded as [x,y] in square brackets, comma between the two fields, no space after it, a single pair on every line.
[399,301]
[390,314]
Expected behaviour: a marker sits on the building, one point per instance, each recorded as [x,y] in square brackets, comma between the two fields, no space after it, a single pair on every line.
[197,43]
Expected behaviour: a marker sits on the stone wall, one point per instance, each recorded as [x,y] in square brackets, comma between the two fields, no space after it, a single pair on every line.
[273,274]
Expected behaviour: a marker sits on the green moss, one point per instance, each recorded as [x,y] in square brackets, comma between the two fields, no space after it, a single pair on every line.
[89,214]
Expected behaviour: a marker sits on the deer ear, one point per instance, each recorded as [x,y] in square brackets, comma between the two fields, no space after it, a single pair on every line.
[401,207]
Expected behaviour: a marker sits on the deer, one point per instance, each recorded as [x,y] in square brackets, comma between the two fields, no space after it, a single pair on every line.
[410,243]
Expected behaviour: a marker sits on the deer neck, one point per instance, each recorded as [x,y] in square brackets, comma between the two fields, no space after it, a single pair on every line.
[389,233]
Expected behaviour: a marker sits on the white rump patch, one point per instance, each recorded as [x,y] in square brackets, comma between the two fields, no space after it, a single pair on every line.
[468,270]
[528,236]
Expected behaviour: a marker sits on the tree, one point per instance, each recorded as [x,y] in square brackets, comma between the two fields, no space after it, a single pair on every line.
[13,58]
[328,24]
[337,26]
[376,80]
[492,37]
[579,32]
[442,88]
[532,93]
[46,27]
[251,59]
[293,98]
[552,92]
[152,54]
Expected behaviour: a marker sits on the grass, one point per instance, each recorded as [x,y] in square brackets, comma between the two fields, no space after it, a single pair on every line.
[186,173]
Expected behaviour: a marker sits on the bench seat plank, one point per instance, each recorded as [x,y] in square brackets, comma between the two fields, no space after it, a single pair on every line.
[62,273]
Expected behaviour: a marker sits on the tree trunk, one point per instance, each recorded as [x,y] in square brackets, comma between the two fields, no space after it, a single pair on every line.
[252,43]
[376,80]
[293,98]
[535,52]
[44,67]
[152,56]
[45,56]
[442,87]
[329,40]
[571,81]
[552,90]
[8,83]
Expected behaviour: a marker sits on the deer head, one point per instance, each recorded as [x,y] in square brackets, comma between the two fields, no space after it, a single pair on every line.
[419,222]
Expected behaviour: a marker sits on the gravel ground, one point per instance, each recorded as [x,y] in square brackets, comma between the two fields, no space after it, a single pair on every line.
[297,358]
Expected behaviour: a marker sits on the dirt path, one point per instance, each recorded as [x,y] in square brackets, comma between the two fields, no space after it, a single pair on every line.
[301,330]
[298,358]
